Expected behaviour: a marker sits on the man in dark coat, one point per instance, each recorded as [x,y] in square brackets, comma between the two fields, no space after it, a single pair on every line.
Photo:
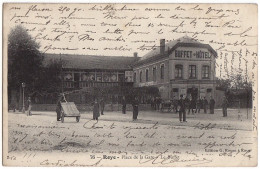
[181,109]
[58,108]
[187,104]
[212,105]
[152,103]
[29,113]
[159,103]
[124,105]
[96,113]
[135,108]
[102,106]
[205,105]
[224,106]
[193,106]
[200,102]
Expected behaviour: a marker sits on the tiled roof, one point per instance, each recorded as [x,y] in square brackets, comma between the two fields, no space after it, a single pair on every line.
[91,61]
[169,47]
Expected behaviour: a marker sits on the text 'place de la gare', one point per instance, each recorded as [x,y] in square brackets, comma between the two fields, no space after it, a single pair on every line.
[180,67]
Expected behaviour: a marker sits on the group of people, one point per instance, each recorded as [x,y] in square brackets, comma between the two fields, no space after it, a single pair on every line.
[180,106]
[99,107]
[194,106]
[183,105]
[156,103]
[190,104]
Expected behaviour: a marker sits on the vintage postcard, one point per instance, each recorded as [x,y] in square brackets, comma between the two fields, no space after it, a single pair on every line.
[130,85]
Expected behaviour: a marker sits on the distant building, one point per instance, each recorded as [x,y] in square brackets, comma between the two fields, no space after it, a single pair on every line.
[183,66]
[89,71]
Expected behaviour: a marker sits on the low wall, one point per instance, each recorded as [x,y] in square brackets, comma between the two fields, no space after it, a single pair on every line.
[84,107]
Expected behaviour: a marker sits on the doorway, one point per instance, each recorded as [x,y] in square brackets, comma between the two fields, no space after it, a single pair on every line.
[193,92]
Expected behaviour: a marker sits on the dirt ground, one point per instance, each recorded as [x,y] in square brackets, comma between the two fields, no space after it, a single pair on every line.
[155,139]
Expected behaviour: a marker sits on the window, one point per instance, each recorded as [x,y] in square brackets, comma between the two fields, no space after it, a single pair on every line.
[135,77]
[140,76]
[192,71]
[147,75]
[154,74]
[205,72]
[178,71]
[162,71]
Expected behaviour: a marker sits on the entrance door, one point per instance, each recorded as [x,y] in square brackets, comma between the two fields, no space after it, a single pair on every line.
[209,93]
[175,93]
[193,92]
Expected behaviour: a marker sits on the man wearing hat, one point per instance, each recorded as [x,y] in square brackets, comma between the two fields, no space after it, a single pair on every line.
[58,108]
[135,108]
[181,109]
[29,113]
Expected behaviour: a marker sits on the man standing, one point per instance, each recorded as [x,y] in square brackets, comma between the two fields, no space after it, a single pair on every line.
[29,113]
[58,108]
[102,105]
[211,105]
[181,109]
[135,108]
[205,105]
[96,110]
[124,105]
[187,103]
[198,105]
[158,103]
[152,102]
[224,106]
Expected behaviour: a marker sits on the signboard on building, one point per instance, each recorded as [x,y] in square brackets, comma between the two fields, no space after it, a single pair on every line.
[192,53]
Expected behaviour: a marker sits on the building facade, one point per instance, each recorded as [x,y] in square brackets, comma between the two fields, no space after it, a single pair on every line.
[180,67]
[81,74]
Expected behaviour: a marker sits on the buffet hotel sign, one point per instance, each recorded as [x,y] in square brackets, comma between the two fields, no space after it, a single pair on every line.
[188,54]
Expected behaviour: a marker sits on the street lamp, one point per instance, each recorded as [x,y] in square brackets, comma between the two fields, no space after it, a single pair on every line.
[23,86]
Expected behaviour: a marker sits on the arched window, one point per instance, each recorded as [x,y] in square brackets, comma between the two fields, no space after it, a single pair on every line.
[154,74]
[178,71]
[147,75]
[135,77]
[140,78]
[162,71]
[205,72]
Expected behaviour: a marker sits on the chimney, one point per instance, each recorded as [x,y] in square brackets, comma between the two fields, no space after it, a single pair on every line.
[162,46]
[135,54]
